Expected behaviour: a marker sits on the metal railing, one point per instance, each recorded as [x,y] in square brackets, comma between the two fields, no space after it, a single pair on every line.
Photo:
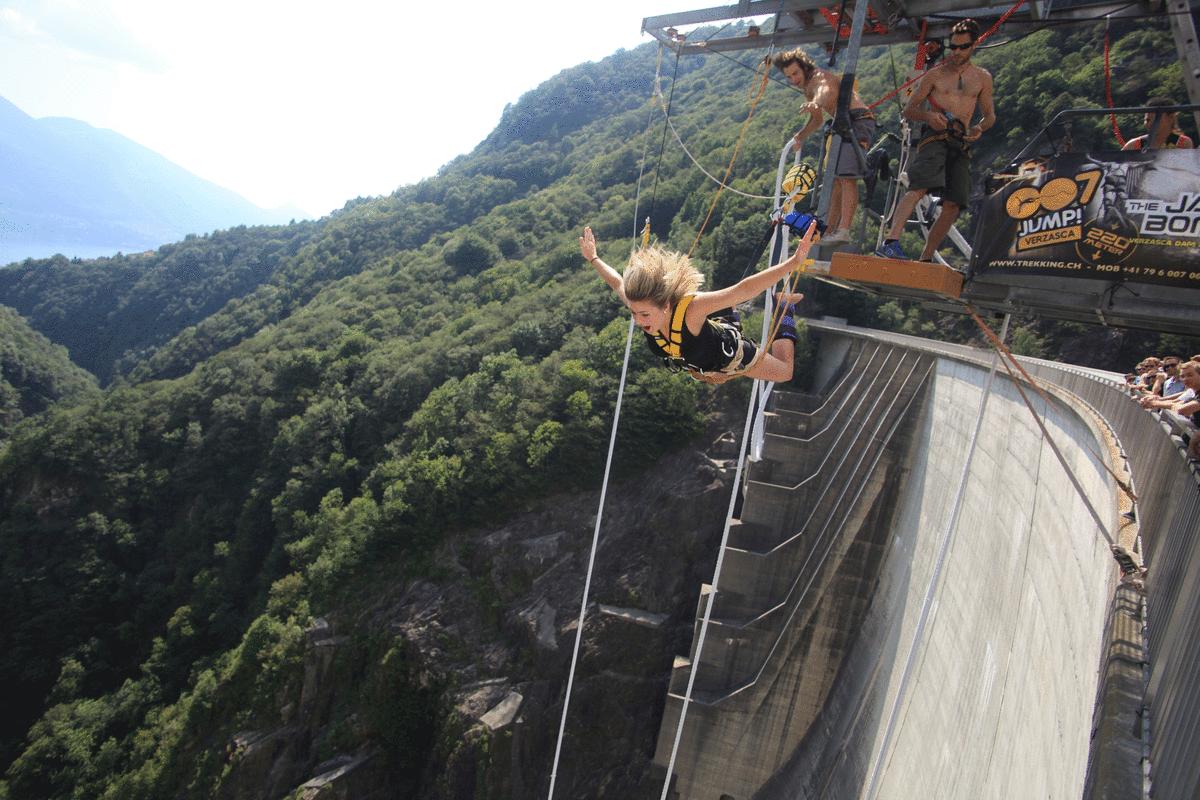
[1069,114]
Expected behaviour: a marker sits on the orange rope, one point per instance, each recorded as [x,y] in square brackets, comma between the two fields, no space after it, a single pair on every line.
[1008,357]
[755,96]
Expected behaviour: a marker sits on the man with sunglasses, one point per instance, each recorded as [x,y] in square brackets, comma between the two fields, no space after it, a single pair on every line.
[1169,381]
[943,161]
[1147,372]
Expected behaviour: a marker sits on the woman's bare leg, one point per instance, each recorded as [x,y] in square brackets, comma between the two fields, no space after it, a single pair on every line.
[776,364]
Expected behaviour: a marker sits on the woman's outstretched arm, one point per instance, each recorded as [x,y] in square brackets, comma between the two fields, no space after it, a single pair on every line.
[587,246]
[748,288]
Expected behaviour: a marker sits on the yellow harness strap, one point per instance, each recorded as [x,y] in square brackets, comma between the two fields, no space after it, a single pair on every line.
[673,346]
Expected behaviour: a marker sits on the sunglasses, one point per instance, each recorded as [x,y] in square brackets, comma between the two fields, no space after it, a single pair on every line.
[961,46]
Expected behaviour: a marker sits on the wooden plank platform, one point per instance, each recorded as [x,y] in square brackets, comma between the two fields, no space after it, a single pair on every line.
[892,277]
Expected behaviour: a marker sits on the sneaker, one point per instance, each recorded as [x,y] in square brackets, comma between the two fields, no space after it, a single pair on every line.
[891,250]
[837,237]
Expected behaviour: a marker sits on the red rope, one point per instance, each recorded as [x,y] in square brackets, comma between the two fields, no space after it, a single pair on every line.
[923,46]
[1003,19]
[1108,88]
[835,23]
[872,25]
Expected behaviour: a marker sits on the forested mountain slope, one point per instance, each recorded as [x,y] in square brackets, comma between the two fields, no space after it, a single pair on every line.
[34,374]
[294,408]
[110,313]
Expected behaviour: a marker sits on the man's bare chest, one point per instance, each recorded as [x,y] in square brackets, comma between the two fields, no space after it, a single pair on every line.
[956,87]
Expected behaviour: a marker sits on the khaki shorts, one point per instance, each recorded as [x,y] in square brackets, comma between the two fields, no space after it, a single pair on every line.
[943,166]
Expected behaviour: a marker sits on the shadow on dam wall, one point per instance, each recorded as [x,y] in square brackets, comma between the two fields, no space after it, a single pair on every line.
[970,665]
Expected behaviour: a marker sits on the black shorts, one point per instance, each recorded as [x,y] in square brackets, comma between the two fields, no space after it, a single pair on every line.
[862,128]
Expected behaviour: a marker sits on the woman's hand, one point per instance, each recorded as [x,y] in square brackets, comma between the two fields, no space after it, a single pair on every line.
[806,242]
[587,245]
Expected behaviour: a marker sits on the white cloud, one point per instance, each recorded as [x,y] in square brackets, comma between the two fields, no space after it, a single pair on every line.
[91,29]
[15,24]
[298,102]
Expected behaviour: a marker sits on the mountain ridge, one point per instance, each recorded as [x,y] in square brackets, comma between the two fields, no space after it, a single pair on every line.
[69,187]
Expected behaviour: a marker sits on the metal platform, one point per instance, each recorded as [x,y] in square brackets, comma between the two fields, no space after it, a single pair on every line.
[803,22]
[911,280]
[1116,302]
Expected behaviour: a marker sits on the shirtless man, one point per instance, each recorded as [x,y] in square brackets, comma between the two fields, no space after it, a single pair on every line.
[943,159]
[821,88]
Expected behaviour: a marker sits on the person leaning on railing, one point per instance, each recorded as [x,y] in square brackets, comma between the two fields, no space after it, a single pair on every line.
[1185,406]
[1183,397]
[1146,371]
[1168,381]
[1164,127]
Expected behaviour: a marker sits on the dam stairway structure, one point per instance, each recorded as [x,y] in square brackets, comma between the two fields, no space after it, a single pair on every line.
[919,593]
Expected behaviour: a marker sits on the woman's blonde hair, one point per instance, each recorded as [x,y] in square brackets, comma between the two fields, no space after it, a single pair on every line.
[660,276]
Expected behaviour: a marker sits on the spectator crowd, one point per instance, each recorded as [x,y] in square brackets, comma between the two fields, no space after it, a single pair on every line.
[1171,384]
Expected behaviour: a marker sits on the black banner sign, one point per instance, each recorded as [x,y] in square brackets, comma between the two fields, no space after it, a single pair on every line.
[1121,216]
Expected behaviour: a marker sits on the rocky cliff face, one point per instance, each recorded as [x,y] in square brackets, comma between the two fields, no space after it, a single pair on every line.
[452,687]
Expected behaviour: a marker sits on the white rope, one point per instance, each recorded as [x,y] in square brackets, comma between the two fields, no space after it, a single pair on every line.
[612,441]
[712,592]
[718,181]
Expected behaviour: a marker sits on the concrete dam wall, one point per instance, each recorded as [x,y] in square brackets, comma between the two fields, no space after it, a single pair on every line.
[916,596]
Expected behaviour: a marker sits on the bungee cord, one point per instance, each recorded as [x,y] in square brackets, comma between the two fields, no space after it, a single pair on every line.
[612,443]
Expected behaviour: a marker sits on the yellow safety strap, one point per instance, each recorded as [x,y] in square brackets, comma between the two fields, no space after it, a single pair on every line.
[673,345]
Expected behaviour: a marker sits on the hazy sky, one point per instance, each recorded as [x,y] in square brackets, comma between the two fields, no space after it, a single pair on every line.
[301,102]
